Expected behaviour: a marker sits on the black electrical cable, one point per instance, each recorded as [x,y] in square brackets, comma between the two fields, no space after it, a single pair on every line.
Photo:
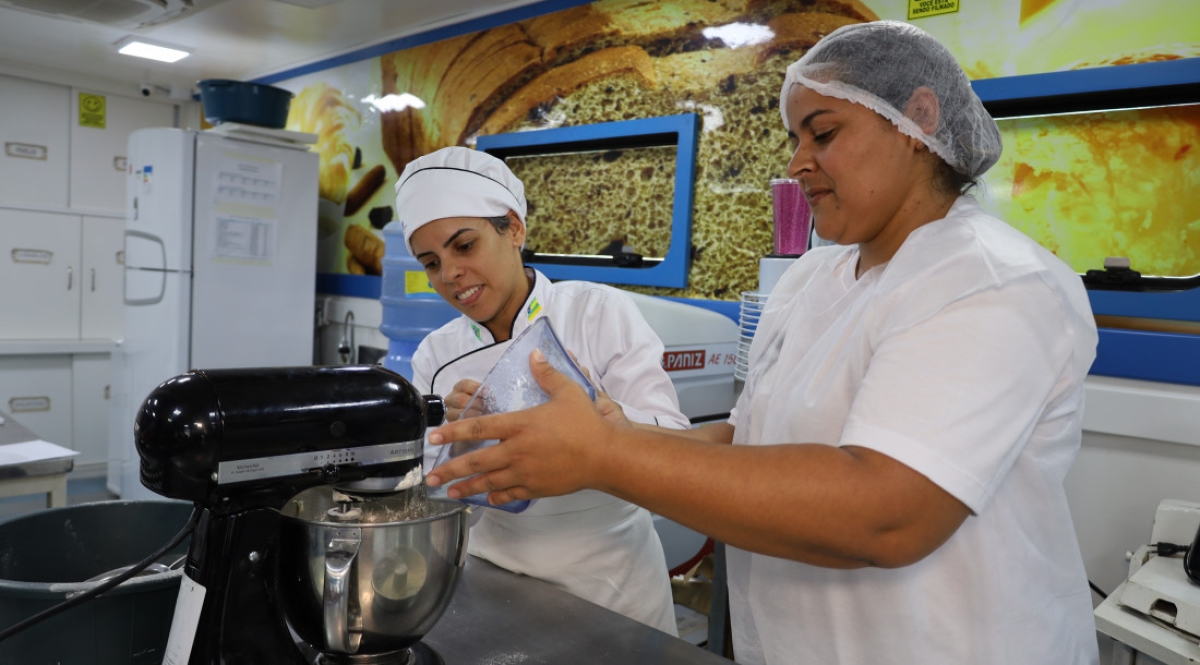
[1169,549]
[1097,590]
[92,593]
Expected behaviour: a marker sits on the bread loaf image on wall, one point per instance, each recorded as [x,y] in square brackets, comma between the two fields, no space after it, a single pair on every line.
[323,110]
[619,60]
[1116,183]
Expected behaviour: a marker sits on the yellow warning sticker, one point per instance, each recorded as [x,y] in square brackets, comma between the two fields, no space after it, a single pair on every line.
[91,110]
[416,282]
[927,8]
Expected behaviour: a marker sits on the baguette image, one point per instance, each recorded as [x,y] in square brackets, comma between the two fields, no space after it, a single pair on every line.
[365,188]
[365,248]
[325,111]
[619,60]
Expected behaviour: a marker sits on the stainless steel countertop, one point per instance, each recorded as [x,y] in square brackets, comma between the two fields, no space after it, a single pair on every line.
[500,617]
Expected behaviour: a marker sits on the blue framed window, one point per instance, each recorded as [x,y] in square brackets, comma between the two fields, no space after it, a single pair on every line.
[679,131]
[1126,352]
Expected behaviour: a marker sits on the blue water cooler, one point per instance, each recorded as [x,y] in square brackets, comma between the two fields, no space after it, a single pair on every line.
[411,308]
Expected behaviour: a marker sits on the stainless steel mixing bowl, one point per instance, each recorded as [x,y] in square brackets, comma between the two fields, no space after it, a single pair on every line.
[373,584]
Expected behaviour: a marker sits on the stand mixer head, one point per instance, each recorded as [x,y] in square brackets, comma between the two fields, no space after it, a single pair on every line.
[309,526]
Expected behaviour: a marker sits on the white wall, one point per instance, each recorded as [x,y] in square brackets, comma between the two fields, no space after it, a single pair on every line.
[1141,444]
[1119,477]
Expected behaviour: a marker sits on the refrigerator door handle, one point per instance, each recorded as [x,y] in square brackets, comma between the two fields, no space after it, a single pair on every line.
[153,300]
[162,290]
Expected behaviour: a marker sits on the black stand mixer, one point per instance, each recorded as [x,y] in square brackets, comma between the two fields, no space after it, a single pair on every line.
[307,548]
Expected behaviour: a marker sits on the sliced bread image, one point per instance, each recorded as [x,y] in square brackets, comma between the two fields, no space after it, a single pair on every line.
[618,60]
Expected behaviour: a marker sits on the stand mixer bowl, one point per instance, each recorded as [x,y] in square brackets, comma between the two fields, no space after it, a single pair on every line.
[367,581]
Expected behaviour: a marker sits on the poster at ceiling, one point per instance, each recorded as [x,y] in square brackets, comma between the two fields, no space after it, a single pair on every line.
[584,63]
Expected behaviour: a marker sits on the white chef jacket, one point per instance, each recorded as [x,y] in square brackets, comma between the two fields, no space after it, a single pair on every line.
[590,544]
[964,359]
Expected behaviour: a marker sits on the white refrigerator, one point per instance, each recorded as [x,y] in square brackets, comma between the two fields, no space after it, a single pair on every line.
[220,265]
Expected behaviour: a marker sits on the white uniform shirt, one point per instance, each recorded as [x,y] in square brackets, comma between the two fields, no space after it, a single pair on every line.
[591,544]
[964,359]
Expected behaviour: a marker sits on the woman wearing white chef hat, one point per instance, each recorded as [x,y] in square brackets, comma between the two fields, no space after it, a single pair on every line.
[894,491]
[463,214]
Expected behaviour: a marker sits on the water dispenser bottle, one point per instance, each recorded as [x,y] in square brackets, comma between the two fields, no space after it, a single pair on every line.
[411,308]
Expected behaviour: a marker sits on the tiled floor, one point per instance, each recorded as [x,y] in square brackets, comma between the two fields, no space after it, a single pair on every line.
[82,490]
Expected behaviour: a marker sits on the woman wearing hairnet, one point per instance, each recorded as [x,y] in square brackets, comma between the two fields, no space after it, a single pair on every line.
[463,214]
[894,491]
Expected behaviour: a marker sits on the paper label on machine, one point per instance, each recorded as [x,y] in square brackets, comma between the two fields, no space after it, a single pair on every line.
[184,624]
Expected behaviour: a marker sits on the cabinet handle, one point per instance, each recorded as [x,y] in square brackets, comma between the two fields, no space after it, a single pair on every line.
[93,280]
[29,404]
[70,278]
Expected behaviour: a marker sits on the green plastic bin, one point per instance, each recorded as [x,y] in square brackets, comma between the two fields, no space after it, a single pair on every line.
[45,558]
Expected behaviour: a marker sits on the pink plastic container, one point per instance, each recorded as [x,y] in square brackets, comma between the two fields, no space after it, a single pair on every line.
[793,220]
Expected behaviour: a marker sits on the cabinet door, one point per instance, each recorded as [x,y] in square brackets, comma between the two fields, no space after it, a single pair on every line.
[39,275]
[90,398]
[98,156]
[102,260]
[33,129]
[36,391]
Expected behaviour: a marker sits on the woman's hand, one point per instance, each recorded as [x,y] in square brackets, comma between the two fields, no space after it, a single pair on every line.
[611,410]
[548,450]
[607,406]
[460,395]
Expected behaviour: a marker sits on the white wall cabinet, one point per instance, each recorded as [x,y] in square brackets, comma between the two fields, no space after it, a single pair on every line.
[62,199]
[98,156]
[36,390]
[90,398]
[60,276]
[34,131]
[39,275]
[101,293]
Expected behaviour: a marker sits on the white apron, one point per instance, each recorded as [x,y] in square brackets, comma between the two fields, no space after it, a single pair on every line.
[590,544]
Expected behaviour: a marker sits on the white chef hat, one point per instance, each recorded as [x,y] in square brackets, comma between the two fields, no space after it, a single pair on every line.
[456,182]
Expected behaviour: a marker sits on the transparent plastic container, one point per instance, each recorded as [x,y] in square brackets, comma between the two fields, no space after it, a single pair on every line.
[510,386]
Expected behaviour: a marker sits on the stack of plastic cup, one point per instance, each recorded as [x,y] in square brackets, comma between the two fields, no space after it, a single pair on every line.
[793,218]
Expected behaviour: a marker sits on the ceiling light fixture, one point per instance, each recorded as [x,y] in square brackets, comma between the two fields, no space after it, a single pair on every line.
[141,48]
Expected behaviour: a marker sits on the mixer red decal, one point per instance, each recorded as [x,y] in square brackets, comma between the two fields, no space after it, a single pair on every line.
[674,361]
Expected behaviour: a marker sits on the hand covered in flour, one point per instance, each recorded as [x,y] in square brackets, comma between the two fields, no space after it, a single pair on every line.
[458,399]
[548,450]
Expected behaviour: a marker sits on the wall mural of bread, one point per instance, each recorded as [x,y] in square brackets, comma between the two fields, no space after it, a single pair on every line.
[618,60]
[622,59]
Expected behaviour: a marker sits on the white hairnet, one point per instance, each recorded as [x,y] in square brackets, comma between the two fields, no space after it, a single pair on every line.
[456,182]
[880,65]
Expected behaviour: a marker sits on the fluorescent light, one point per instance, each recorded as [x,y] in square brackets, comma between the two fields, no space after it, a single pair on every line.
[141,49]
